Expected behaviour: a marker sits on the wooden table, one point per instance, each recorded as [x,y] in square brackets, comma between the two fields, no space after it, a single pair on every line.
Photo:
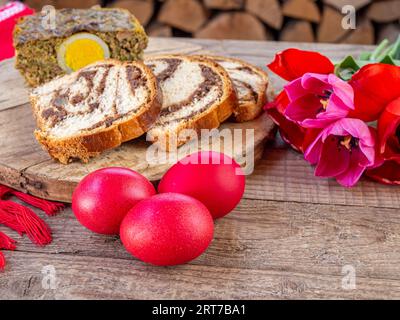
[292,235]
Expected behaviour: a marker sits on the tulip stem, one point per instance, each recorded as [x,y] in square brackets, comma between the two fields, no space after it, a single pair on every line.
[395,51]
[378,50]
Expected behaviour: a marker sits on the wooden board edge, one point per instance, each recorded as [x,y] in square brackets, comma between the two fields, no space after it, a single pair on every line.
[61,190]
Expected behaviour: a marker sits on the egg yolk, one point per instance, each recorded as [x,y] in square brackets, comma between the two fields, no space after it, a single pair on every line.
[82,52]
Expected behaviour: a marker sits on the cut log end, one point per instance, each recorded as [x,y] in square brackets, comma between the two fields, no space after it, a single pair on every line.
[298,31]
[268,11]
[241,26]
[302,9]
[224,4]
[186,15]
[141,9]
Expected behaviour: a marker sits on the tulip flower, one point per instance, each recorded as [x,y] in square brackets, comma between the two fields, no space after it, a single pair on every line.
[375,86]
[291,64]
[343,150]
[389,145]
[317,100]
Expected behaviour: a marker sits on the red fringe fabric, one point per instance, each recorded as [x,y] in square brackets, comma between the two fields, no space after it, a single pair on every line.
[49,207]
[5,243]
[23,220]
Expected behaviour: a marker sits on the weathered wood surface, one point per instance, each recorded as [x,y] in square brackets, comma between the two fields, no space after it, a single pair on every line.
[264,249]
[292,235]
[26,167]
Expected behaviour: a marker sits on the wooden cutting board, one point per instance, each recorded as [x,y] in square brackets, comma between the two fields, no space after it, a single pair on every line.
[26,167]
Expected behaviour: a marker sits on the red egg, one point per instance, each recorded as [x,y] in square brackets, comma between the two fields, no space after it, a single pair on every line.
[103,198]
[211,177]
[167,229]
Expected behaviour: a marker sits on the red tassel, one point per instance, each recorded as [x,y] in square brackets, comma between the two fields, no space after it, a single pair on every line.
[10,220]
[5,243]
[2,261]
[4,191]
[26,221]
[49,207]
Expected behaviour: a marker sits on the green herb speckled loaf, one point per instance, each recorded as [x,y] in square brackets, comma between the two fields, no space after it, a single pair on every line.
[80,37]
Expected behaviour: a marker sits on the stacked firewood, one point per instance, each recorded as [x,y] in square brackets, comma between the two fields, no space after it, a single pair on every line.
[286,20]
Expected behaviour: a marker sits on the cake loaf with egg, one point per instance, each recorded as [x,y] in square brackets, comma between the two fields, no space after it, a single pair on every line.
[47,48]
[94,109]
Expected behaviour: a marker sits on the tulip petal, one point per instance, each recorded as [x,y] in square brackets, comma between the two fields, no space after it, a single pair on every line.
[343,91]
[355,128]
[388,173]
[387,126]
[316,83]
[305,107]
[292,63]
[375,86]
[354,172]
[295,90]
[334,159]
[314,149]
[290,132]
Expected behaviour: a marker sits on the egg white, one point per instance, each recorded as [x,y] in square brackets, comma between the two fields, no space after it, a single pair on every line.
[83,35]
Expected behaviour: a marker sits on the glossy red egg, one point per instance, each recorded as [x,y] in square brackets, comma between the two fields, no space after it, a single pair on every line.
[211,177]
[167,229]
[103,198]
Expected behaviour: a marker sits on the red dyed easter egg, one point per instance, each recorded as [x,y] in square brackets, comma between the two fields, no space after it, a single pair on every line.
[167,229]
[211,177]
[103,198]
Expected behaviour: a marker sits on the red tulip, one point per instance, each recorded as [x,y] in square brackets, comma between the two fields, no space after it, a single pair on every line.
[375,86]
[291,64]
[388,173]
[389,145]
[389,131]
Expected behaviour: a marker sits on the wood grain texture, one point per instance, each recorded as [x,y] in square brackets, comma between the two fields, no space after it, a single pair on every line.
[264,249]
[284,175]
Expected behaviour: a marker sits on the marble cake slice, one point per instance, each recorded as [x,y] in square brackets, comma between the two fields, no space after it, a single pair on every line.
[197,94]
[96,108]
[251,86]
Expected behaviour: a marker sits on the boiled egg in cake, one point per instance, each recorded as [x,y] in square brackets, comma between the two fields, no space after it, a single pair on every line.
[81,49]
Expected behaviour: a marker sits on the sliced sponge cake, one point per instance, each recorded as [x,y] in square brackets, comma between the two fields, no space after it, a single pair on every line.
[251,85]
[96,108]
[197,94]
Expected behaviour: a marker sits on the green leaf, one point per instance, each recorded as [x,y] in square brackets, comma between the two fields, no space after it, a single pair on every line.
[387,60]
[346,68]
